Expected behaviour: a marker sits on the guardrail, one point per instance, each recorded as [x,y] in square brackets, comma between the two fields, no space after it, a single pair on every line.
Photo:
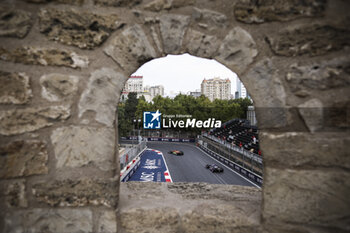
[258,180]
[130,153]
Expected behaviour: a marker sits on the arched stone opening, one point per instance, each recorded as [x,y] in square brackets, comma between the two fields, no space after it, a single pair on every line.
[301,59]
[171,207]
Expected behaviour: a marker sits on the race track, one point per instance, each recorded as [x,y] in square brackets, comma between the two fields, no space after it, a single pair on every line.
[191,166]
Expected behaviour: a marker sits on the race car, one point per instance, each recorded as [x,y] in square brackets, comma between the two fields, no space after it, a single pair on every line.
[214,168]
[176,152]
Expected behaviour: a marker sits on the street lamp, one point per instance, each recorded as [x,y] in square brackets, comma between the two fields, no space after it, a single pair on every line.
[138,128]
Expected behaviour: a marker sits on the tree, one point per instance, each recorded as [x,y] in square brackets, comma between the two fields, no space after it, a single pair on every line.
[131,106]
[243,103]
[124,124]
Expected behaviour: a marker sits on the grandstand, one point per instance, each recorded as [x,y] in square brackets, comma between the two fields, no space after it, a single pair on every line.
[240,133]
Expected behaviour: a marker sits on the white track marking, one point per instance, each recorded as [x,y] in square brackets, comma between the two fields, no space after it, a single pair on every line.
[161,153]
[229,168]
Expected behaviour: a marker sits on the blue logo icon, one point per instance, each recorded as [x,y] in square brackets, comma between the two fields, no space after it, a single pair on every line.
[151,120]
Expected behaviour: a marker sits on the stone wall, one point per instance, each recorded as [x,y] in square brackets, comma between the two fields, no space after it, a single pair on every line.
[63,64]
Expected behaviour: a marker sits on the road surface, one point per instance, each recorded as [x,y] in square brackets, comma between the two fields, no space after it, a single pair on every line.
[191,166]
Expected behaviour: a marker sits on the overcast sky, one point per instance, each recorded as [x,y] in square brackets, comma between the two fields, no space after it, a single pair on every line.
[183,73]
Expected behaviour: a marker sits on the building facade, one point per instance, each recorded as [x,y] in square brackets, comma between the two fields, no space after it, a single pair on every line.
[216,88]
[195,94]
[156,90]
[133,84]
[241,90]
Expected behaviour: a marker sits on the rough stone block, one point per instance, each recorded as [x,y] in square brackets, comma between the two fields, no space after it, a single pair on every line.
[82,192]
[76,146]
[23,158]
[107,222]
[102,94]
[13,193]
[182,3]
[237,50]
[159,5]
[172,29]
[118,3]
[212,18]
[156,220]
[218,218]
[305,150]
[277,10]
[14,88]
[49,220]
[200,44]
[312,113]
[188,207]
[196,191]
[14,23]
[270,105]
[44,57]
[318,198]
[131,49]
[313,40]
[320,76]
[57,87]
[71,2]
[20,121]
[82,29]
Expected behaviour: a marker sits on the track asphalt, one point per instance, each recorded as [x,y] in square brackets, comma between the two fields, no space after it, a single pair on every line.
[190,167]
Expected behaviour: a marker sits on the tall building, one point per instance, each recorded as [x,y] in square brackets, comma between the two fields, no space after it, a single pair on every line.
[156,90]
[216,88]
[133,84]
[153,91]
[241,90]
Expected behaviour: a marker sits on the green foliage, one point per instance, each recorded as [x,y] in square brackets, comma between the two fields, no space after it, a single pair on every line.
[131,105]
[124,123]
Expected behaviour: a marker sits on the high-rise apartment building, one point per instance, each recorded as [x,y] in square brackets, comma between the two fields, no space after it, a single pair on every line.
[241,90]
[156,90]
[135,84]
[216,88]
[153,91]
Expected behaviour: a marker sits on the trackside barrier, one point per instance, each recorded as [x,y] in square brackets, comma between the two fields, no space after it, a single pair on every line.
[130,153]
[246,173]
[238,149]
[128,170]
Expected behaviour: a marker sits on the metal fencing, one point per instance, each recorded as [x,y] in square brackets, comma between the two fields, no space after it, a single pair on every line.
[131,151]
[249,155]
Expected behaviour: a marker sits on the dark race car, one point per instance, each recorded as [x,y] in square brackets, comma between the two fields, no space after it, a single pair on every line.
[176,152]
[214,168]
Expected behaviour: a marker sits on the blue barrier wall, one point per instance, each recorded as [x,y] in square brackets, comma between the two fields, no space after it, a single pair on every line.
[151,169]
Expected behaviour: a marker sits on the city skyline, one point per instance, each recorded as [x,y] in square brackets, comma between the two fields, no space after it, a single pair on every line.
[184,73]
